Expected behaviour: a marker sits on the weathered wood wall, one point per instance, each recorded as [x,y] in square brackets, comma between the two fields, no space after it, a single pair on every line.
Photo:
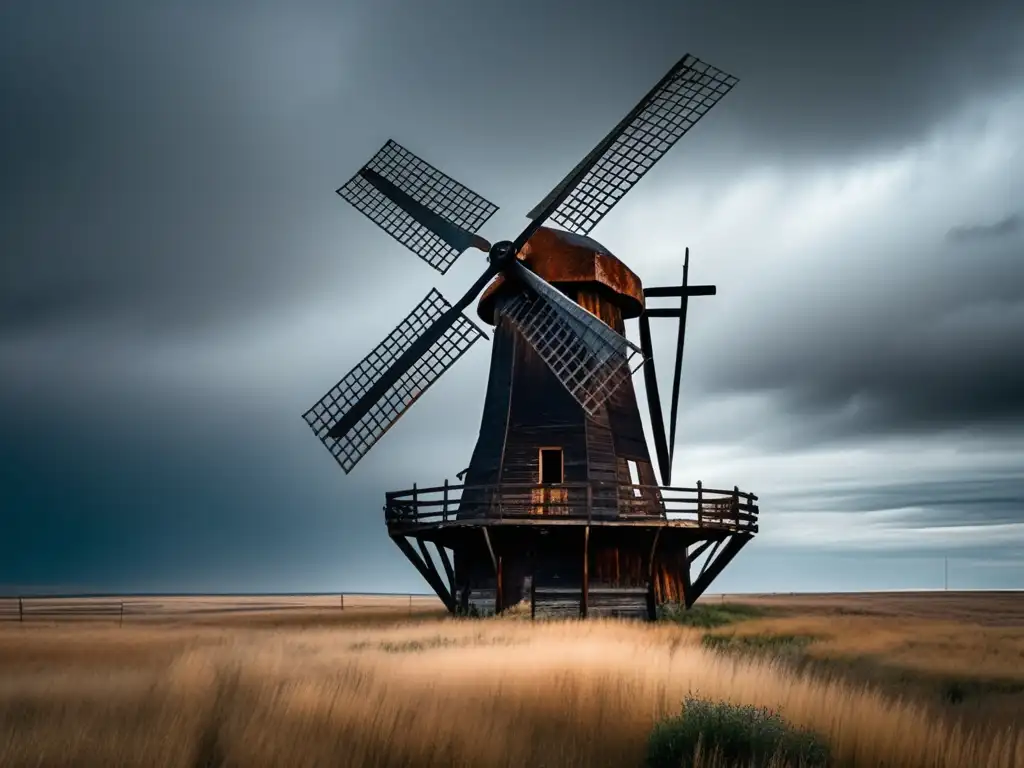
[620,578]
[527,408]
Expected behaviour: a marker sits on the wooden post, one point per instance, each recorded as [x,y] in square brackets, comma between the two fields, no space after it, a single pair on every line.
[499,597]
[533,585]
[490,549]
[21,610]
[700,503]
[120,622]
[652,577]
[341,600]
[415,503]
[585,594]
[444,514]
[736,504]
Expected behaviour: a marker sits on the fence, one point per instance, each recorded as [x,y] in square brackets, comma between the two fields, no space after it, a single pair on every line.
[732,509]
[120,609]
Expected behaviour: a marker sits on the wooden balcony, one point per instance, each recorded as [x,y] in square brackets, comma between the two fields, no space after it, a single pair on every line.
[596,503]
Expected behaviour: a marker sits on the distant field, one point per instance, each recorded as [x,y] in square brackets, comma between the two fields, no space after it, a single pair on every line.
[997,609]
[301,681]
[218,609]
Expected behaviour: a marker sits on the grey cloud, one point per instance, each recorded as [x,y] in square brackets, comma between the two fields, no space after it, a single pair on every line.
[937,503]
[183,157]
[1004,227]
[168,216]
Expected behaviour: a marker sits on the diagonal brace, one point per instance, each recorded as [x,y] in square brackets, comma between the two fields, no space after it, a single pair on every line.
[428,571]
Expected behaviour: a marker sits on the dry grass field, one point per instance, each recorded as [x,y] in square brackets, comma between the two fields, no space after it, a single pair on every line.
[208,682]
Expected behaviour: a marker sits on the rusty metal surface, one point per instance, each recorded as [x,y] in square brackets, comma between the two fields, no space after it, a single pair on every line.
[563,258]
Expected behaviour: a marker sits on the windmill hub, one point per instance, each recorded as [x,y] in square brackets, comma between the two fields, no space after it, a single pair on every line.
[502,253]
[561,503]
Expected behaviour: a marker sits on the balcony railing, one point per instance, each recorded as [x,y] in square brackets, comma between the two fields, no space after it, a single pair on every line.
[733,510]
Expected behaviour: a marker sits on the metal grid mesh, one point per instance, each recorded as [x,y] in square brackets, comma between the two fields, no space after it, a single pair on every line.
[590,358]
[428,186]
[353,445]
[692,88]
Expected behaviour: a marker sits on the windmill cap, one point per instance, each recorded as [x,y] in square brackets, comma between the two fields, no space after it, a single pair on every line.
[567,259]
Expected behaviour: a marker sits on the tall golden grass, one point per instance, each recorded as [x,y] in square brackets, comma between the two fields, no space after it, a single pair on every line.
[421,693]
[936,647]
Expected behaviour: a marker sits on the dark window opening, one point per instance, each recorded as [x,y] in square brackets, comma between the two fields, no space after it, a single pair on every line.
[551,465]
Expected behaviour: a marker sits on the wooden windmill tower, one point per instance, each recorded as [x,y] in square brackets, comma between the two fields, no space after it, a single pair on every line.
[560,505]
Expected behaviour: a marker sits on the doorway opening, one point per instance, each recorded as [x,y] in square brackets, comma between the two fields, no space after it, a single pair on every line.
[552,466]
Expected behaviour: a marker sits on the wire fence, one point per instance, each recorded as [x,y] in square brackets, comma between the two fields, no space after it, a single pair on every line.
[121,609]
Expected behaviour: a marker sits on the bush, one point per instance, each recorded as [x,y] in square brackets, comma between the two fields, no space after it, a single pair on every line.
[731,734]
[709,615]
[771,645]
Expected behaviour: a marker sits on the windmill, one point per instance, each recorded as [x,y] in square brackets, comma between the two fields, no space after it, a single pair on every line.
[560,504]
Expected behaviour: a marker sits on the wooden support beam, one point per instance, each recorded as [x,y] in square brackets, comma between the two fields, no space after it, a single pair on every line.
[448,569]
[585,593]
[499,592]
[533,584]
[429,574]
[671,291]
[654,546]
[735,543]
[700,549]
[494,560]
[710,557]
[661,447]
[652,602]
[678,370]
[432,567]
[665,447]
[687,584]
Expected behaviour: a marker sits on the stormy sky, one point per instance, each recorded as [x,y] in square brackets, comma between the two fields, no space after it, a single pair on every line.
[179,282]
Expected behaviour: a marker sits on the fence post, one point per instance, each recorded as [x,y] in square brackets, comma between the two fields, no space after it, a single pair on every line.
[120,621]
[700,503]
[341,599]
[415,503]
[21,610]
[444,514]
[736,504]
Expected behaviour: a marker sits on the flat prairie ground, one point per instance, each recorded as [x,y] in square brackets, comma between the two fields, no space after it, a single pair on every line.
[926,679]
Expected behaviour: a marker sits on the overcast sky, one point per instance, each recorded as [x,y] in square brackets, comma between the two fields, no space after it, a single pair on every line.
[179,282]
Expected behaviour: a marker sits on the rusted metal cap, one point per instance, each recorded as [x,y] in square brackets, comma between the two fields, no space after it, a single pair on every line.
[567,259]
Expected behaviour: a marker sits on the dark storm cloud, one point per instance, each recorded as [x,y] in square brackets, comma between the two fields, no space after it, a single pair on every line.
[940,356]
[967,233]
[178,280]
[160,157]
[180,157]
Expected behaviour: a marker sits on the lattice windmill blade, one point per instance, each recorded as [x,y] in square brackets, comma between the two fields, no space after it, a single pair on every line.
[590,358]
[681,98]
[425,210]
[370,398]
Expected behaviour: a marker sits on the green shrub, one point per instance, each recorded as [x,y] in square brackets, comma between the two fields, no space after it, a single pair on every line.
[734,735]
[772,645]
[709,615]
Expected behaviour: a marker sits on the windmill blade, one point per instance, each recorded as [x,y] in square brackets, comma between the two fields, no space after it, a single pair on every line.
[367,402]
[428,212]
[590,358]
[681,98]
[661,444]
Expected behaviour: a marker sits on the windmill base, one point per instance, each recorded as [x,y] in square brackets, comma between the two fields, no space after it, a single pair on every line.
[560,566]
